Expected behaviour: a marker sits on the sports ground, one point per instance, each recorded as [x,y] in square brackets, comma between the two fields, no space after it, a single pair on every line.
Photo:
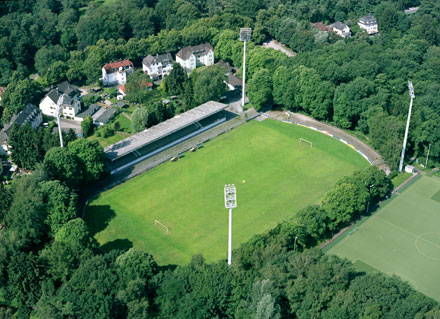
[402,238]
[274,174]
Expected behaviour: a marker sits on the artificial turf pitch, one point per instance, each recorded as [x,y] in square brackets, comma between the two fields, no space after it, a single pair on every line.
[402,238]
[274,174]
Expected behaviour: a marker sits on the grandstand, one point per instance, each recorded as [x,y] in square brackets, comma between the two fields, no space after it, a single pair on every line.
[158,138]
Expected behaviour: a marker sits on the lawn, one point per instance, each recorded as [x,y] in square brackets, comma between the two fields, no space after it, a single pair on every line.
[274,175]
[402,238]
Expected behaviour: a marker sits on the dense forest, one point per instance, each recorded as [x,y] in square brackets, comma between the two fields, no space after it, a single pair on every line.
[50,264]
[358,83]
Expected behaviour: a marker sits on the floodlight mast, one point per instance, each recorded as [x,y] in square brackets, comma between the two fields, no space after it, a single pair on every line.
[58,114]
[245,35]
[230,203]
[411,94]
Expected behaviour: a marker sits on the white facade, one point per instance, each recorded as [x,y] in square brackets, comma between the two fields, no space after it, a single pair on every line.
[343,32]
[192,57]
[116,72]
[48,107]
[369,24]
[157,66]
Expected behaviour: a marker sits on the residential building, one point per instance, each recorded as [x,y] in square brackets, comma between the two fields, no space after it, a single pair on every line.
[90,110]
[192,57]
[121,90]
[116,72]
[31,114]
[158,66]
[340,29]
[104,115]
[71,104]
[369,24]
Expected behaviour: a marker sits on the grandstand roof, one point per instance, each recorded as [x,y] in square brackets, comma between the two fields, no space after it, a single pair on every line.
[163,129]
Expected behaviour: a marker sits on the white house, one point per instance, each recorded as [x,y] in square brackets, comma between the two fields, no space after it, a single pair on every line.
[30,115]
[71,104]
[192,57]
[340,29]
[369,24]
[157,66]
[116,72]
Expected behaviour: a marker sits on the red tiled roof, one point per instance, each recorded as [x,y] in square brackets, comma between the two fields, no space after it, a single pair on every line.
[2,89]
[122,88]
[109,67]
[320,26]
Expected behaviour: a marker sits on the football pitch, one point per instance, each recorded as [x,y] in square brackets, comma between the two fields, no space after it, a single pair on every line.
[402,238]
[275,176]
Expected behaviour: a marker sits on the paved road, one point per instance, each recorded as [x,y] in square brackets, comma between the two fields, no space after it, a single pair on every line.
[279,47]
[364,148]
[70,124]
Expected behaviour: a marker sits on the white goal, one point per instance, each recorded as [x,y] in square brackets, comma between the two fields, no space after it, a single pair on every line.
[302,140]
[156,222]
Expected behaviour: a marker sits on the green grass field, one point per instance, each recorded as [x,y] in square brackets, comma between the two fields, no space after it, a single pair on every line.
[274,174]
[402,238]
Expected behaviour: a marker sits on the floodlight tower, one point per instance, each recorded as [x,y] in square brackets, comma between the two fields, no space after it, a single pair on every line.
[411,94]
[245,35]
[58,112]
[230,202]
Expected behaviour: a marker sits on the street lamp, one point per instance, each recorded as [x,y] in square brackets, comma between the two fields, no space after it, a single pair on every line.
[369,197]
[245,35]
[294,244]
[230,203]
[411,94]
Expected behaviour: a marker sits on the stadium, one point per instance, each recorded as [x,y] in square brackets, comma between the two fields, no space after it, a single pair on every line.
[176,209]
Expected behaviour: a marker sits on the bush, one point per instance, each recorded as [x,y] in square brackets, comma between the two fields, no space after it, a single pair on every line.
[116,126]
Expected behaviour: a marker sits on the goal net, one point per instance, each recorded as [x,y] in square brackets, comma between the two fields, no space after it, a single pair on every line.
[156,222]
[303,140]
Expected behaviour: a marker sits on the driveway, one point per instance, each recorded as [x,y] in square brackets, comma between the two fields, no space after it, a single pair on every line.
[70,124]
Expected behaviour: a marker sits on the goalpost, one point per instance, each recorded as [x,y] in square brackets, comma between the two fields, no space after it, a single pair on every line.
[156,222]
[302,140]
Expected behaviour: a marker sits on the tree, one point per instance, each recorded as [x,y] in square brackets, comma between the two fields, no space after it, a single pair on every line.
[139,119]
[91,157]
[87,126]
[26,217]
[72,245]
[26,148]
[343,203]
[60,164]
[350,101]
[260,89]
[5,200]
[175,80]
[59,203]
[136,264]
[24,274]
[17,95]
[208,84]
[46,56]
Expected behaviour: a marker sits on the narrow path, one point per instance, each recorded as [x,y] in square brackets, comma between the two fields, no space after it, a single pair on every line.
[126,115]
[298,118]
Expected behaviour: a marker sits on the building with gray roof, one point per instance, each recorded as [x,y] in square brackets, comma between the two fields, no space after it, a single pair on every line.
[31,115]
[158,66]
[105,116]
[190,123]
[71,104]
[193,56]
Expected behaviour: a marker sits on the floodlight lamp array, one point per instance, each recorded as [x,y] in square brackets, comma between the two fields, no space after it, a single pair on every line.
[411,89]
[245,34]
[230,196]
